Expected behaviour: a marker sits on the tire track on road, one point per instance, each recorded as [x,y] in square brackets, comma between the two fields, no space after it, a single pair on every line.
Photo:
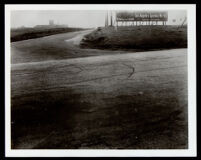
[91,80]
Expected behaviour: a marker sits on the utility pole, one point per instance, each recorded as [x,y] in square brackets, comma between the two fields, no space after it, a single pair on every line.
[115,21]
[106,20]
[182,23]
[111,19]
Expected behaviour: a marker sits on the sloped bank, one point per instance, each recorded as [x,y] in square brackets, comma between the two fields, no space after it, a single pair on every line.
[137,38]
[21,34]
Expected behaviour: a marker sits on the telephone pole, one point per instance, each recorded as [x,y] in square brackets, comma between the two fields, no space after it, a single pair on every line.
[182,23]
[111,19]
[106,20]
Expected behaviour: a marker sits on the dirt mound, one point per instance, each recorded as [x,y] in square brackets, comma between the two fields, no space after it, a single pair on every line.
[137,38]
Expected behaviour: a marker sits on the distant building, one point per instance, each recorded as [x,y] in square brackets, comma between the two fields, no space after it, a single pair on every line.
[51,22]
[51,25]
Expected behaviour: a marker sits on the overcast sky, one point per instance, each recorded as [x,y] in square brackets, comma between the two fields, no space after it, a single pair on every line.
[85,18]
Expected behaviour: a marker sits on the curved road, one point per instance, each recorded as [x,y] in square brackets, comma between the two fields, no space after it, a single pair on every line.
[131,100]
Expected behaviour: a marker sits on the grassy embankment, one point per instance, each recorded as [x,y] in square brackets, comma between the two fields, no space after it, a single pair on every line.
[30,33]
[137,38]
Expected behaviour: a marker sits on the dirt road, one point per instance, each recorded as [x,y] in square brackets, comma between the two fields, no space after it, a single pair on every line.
[132,100]
[55,47]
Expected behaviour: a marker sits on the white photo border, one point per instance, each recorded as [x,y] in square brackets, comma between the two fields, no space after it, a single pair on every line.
[192,136]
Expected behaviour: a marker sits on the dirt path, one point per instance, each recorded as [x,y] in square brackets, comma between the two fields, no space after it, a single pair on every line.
[54,47]
[77,39]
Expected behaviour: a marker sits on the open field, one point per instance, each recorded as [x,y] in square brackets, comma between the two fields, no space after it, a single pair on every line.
[137,38]
[30,33]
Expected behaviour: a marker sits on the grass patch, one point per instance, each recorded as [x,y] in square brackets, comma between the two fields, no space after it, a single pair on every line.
[30,33]
[137,38]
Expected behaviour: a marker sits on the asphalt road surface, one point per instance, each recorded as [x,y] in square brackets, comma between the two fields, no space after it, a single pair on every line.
[128,101]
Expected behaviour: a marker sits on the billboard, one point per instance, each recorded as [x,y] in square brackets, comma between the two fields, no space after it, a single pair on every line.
[142,16]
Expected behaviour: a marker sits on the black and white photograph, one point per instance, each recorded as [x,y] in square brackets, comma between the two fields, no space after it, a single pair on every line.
[111,79]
